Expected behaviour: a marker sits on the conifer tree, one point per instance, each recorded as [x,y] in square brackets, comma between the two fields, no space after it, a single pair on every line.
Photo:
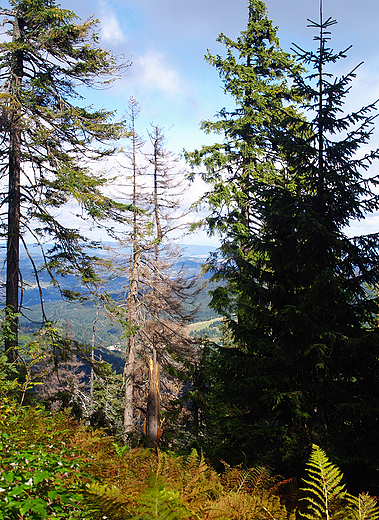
[158,292]
[301,366]
[50,138]
[254,73]
[250,157]
[136,244]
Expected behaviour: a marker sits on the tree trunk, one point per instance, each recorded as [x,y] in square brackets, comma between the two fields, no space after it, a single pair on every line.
[156,204]
[14,200]
[129,378]
[153,402]
[129,375]
[92,375]
[134,276]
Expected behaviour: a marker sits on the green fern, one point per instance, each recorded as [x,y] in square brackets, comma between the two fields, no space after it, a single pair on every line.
[324,490]
[326,497]
[192,490]
[159,503]
[363,507]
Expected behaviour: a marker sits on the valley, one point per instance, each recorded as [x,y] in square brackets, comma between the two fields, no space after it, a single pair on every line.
[76,318]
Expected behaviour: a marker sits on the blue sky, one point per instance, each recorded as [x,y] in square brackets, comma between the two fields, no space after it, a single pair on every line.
[165,40]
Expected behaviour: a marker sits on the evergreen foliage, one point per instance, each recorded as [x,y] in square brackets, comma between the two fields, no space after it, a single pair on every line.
[299,364]
[298,368]
[50,139]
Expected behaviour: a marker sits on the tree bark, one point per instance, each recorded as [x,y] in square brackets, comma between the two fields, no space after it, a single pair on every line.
[153,403]
[132,301]
[92,375]
[14,199]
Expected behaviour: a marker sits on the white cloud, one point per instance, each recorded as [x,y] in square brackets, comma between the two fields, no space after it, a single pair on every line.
[110,28]
[157,74]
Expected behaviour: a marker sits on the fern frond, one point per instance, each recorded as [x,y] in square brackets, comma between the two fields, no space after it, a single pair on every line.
[106,501]
[250,479]
[273,509]
[363,507]
[161,504]
[243,506]
[197,473]
[196,462]
[157,503]
[324,486]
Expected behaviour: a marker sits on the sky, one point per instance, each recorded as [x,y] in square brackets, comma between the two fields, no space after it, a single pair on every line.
[165,42]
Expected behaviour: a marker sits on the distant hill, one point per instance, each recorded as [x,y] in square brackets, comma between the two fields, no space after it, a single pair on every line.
[77,318]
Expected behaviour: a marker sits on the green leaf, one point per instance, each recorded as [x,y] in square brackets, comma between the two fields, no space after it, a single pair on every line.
[39,508]
[18,490]
[25,507]
[66,499]
[52,494]
[9,477]
[45,475]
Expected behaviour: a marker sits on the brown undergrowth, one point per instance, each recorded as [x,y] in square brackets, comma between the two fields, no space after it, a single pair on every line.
[115,482]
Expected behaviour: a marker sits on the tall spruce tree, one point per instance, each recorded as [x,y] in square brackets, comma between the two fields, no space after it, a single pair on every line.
[254,73]
[251,157]
[49,138]
[301,366]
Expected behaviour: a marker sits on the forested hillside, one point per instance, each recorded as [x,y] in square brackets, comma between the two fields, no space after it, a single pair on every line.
[76,318]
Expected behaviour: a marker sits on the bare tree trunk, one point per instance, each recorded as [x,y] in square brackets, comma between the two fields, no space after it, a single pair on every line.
[91,405]
[153,402]
[132,301]
[157,139]
[129,370]
[14,200]
[129,389]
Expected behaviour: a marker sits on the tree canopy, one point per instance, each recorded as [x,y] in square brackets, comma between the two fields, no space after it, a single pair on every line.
[299,365]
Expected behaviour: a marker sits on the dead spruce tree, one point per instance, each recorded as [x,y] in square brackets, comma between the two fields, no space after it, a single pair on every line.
[157,293]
